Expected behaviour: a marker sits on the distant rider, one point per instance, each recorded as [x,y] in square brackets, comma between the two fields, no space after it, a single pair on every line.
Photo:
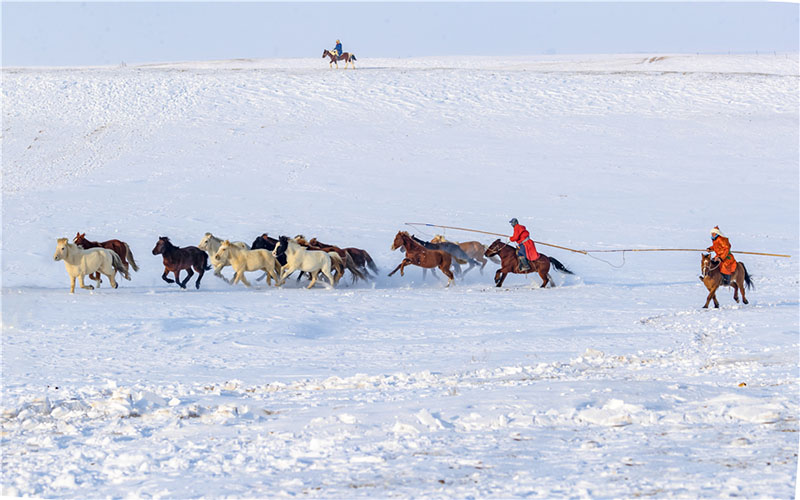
[337,51]
[526,250]
[722,249]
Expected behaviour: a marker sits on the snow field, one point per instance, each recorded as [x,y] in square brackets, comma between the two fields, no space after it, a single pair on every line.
[613,384]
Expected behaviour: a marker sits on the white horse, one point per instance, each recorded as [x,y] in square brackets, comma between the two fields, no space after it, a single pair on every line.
[247,260]
[80,262]
[210,244]
[299,258]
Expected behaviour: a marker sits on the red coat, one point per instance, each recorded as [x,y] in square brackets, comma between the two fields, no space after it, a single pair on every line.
[521,234]
[722,247]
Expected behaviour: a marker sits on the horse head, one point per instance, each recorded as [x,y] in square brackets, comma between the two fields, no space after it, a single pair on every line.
[203,245]
[705,264]
[280,248]
[494,248]
[399,240]
[224,248]
[161,244]
[62,248]
[325,53]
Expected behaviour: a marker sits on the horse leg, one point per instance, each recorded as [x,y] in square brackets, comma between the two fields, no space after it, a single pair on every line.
[711,295]
[735,286]
[446,271]
[200,273]
[241,277]
[164,276]
[395,269]
[96,277]
[545,279]
[84,286]
[503,276]
[313,279]
[111,279]
[72,284]
[189,274]
[330,279]
[218,273]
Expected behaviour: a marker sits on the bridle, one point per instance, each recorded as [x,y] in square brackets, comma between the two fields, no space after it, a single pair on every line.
[707,268]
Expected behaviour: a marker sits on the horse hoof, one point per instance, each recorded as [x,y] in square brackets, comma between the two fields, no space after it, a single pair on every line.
[745,301]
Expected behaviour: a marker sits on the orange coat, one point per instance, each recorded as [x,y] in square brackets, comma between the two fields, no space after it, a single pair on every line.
[722,247]
[521,236]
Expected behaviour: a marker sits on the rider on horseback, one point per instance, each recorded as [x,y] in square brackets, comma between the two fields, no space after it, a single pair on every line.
[526,250]
[722,249]
[337,51]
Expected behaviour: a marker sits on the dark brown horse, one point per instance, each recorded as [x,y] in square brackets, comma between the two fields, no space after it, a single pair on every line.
[120,247]
[509,263]
[712,279]
[417,255]
[176,259]
[361,258]
[347,57]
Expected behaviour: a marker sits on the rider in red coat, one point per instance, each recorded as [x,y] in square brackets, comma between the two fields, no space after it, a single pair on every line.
[526,250]
[722,248]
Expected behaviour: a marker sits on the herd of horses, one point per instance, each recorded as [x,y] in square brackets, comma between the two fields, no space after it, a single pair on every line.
[278,258]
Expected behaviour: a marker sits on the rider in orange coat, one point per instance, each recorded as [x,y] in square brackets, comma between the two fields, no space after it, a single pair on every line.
[526,250]
[722,249]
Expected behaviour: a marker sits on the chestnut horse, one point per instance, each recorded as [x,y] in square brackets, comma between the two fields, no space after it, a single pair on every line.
[509,263]
[712,279]
[361,258]
[418,255]
[347,57]
[177,259]
[120,247]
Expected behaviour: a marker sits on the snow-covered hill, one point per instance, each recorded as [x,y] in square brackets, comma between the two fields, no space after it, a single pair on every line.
[615,383]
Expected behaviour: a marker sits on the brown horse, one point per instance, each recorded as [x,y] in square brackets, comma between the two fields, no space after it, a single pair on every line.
[712,279]
[347,57]
[177,259]
[361,258]
[474,249]
[509,263]
[120,247]
[417,255]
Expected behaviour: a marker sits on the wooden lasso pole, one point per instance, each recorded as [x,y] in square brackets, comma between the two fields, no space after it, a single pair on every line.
[586,252]
[493,234]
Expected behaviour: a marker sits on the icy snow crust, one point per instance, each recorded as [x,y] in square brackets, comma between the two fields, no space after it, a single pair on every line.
[613,384]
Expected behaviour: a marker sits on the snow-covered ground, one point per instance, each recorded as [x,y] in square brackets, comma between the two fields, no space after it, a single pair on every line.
[613,384]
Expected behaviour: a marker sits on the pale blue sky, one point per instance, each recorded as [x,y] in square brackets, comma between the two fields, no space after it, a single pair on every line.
[101,33]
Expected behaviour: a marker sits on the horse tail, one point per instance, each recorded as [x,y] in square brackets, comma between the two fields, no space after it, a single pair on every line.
[118,266]
[205,262]
[351,266]
[460,261]
[561,267]
[371,263]
[747,278]
[353,57]
[129,256]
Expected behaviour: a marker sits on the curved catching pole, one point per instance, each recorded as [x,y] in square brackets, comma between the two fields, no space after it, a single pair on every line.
[587,252]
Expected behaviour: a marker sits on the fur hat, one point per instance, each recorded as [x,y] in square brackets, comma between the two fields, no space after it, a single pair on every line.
[716,232]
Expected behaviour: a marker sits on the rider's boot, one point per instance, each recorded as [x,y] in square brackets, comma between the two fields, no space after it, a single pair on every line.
[726,279]
[524,266]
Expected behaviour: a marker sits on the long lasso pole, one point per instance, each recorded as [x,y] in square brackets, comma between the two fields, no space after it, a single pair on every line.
[586,252]
[493,234]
